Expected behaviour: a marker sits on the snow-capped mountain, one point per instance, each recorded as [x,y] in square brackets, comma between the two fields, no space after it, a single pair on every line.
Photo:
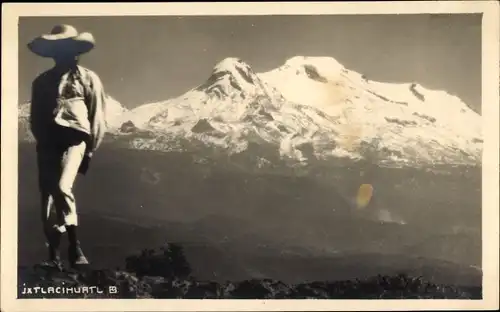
[399,122]
[313,107]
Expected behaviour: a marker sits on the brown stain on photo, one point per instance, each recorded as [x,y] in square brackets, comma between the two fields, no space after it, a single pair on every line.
[335,93]
[351,136]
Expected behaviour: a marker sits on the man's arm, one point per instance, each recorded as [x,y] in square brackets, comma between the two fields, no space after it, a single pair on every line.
[97,113]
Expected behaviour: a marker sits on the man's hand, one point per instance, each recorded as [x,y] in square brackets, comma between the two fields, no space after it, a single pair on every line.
[84,166]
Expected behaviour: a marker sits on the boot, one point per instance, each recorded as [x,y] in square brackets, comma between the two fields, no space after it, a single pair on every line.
[54,241]
[75,255]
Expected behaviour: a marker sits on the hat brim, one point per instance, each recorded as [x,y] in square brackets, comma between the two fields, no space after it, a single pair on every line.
[53,45]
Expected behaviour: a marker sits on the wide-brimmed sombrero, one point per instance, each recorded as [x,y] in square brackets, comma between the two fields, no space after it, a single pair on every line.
[63,39]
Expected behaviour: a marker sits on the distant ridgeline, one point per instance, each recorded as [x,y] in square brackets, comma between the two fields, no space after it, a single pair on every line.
[165,273]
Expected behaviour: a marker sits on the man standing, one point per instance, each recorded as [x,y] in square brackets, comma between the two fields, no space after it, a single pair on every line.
[68,122]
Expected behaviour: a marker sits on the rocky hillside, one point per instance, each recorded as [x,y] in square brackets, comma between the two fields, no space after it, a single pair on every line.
[164,273]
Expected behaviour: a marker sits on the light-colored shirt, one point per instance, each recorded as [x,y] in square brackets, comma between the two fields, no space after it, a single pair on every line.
[73,98]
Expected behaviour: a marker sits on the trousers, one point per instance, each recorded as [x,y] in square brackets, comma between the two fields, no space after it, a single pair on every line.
[58,165]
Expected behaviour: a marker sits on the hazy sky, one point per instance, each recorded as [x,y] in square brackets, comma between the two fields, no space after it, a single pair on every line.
[146,59]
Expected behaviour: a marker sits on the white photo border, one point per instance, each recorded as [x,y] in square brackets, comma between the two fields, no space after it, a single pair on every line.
[490,114]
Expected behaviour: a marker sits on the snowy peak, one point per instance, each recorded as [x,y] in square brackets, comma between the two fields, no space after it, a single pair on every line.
[229,76]
[320,82]
[236,67]
[320,69]
[233,78]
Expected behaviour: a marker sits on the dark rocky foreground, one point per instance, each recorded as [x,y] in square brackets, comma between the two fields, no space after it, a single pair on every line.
[165,273]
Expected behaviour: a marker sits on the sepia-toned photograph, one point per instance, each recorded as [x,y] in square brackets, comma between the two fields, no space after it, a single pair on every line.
[241,156]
